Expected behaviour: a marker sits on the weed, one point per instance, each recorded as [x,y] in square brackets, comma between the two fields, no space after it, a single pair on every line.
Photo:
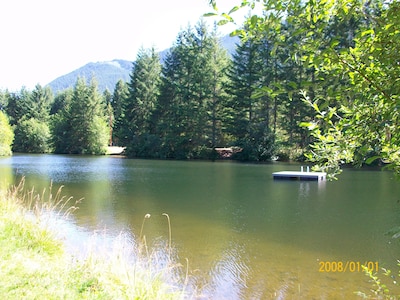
[35,265]
[381,285]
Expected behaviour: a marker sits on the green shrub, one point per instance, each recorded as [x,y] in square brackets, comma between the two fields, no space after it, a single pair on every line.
[6,135]
[32,136]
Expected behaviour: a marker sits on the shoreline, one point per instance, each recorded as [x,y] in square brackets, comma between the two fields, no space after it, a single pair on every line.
[37,261]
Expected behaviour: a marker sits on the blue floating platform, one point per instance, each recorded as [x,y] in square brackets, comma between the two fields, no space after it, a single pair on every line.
[299,175]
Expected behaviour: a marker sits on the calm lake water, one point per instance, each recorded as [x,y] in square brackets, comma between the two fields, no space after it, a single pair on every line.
[245,235]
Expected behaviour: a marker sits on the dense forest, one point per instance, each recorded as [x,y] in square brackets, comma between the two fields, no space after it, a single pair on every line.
[306,77]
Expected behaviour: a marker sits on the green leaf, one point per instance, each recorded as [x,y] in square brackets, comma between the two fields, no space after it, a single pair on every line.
[334,43]
[237,32]
[244,3]
[370,160]
[293,85]
[253,21]
[233,9]
[210,14]
[222,22]
[228,17]
[367,32]
[315,106]
[315,18]
[213,3]
[309,125]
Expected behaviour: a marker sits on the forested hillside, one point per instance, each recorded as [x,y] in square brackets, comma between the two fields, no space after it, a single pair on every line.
[108,73]
[325,69]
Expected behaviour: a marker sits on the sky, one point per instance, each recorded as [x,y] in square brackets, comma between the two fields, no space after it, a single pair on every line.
[44,39]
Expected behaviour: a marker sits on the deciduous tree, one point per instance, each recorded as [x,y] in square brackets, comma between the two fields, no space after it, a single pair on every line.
[6,135]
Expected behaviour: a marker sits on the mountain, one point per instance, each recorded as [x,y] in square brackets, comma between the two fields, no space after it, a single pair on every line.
[107,73]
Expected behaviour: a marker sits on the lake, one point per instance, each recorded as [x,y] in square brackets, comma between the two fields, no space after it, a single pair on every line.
[245,235]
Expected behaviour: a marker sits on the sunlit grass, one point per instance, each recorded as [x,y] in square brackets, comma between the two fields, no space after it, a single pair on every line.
[35,265]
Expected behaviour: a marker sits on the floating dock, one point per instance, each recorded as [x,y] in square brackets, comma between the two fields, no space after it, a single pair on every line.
[300,175]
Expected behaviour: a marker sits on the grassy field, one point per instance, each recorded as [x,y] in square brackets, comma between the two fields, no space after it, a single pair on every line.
[35,265]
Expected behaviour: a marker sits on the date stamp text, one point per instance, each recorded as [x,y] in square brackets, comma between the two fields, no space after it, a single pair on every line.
[347,266]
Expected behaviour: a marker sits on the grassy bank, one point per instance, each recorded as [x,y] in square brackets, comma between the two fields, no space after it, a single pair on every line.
[35,265]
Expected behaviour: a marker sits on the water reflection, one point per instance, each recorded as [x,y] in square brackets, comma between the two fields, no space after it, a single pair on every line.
[251,237]
[6,173]
[228,278]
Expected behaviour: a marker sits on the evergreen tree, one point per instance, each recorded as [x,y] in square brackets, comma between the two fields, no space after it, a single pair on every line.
[31,112]
[41,100]
[219,62]
[244,75]
[60,127]
[190,97]
[110,115]
[19,106]
[61,101]
[249,114]
[339,56]
[141,103]
[118,102]
[293,77]
[84,124]
[173,107]
[210,62]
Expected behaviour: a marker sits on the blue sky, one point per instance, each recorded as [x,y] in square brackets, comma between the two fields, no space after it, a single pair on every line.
[44,39]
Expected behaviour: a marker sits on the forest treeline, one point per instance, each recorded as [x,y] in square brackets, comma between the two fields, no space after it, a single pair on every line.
[201,98]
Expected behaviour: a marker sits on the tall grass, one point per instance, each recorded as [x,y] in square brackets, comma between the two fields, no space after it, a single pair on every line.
[35,264]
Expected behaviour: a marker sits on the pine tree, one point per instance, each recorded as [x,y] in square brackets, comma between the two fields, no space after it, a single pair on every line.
[60,127]
[31,113]
[249,113]
[189,106]
[143,91]
[110,115]
[245,75]
[84,124]
[118,102]
[41,99]
[219,62]
[141,104]
[61,101]
[19,106]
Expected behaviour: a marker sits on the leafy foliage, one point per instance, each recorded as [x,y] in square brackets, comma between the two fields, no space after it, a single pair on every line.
[6,135]
[32,136]
[342,61]
[364,128]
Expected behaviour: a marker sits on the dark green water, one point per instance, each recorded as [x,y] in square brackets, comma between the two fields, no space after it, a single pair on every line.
[245,235]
